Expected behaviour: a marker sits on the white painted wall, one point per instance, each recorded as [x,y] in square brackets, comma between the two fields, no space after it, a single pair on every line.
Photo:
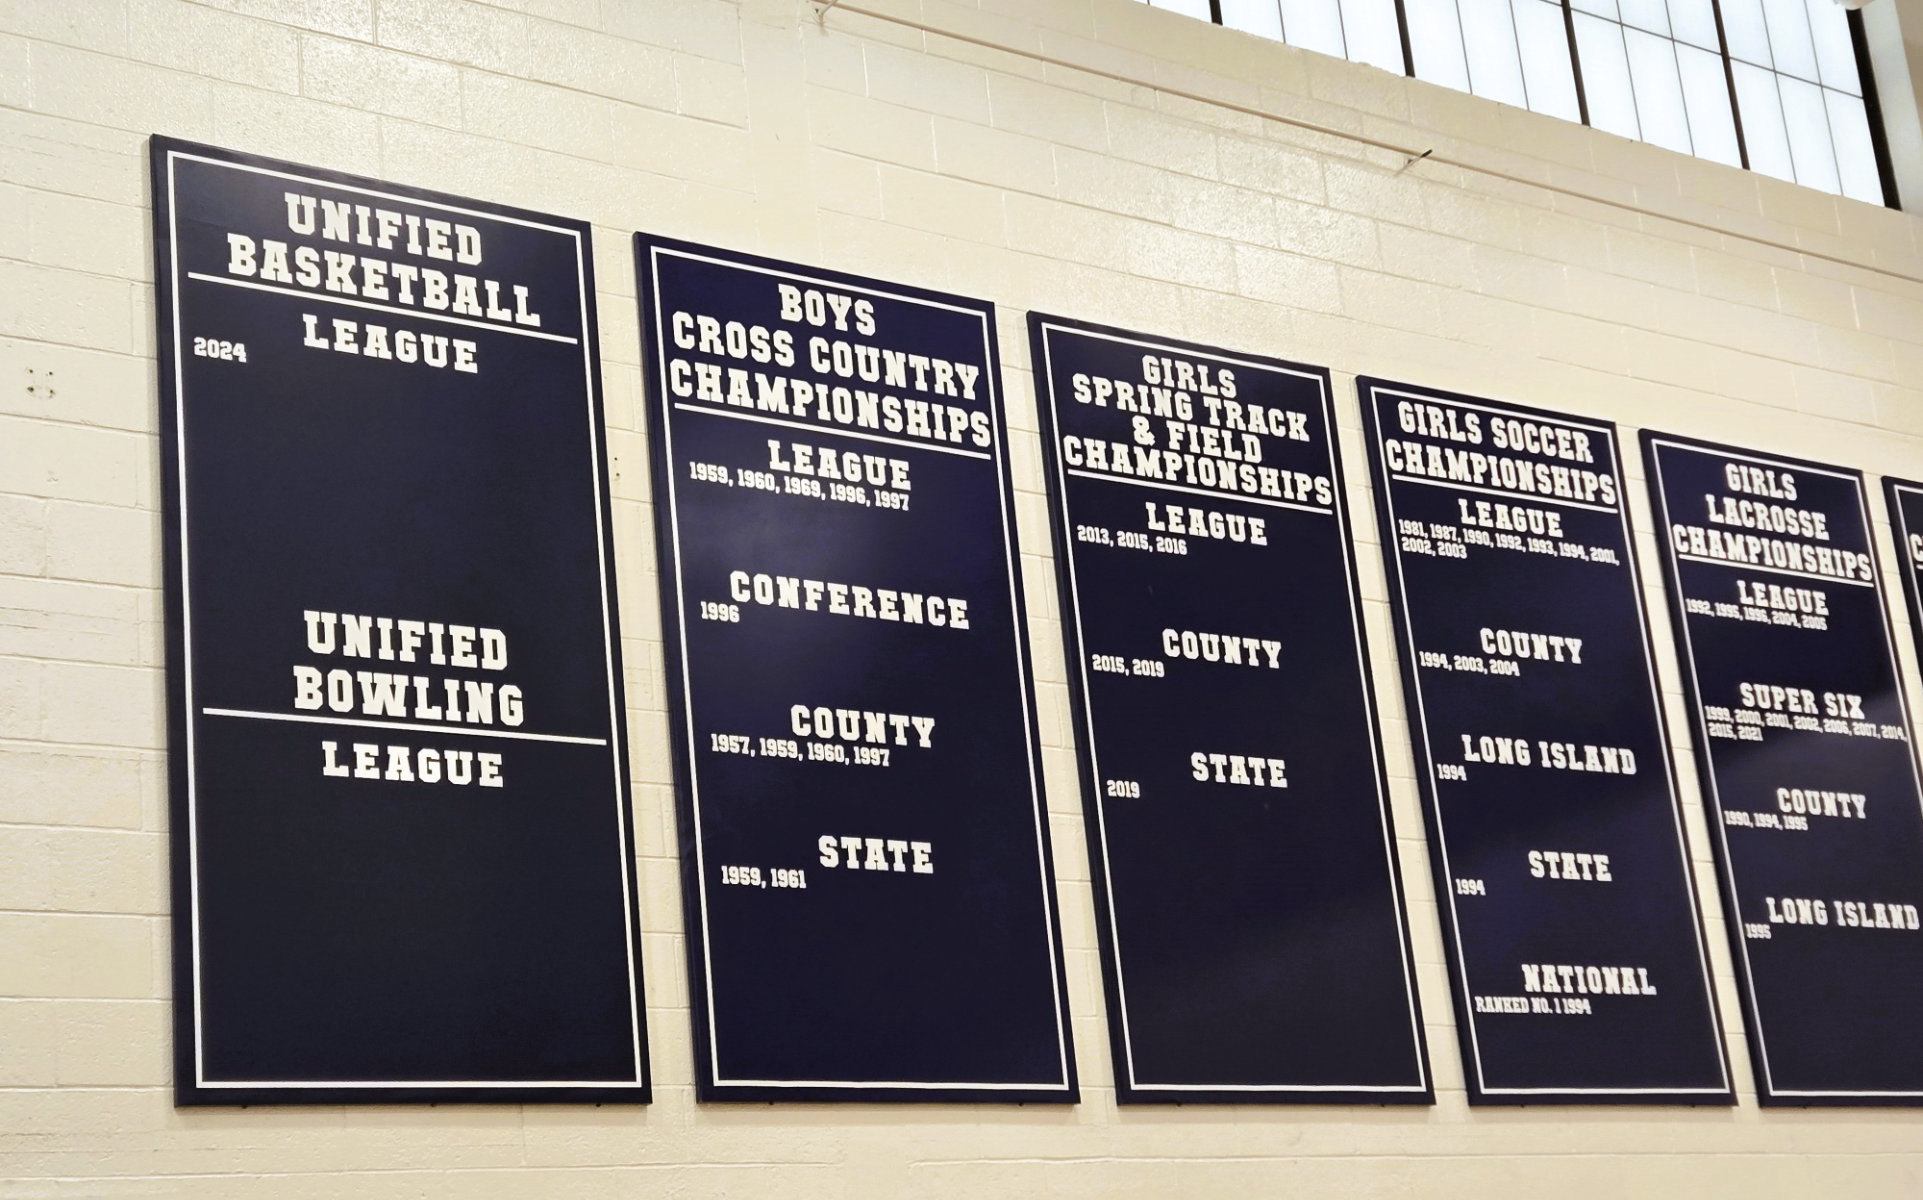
[1090,157]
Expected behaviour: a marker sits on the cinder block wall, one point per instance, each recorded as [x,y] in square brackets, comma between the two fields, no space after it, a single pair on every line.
[1088,157]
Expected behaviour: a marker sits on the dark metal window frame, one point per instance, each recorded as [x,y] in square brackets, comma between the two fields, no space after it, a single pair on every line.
[1872,104]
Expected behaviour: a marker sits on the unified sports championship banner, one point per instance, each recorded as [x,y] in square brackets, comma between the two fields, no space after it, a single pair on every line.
[401,853]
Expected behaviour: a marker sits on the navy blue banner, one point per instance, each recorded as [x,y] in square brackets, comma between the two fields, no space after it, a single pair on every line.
[1576,950]
[1238,819]
[402,864]
[1803,744]
[1906,523]
[864,845]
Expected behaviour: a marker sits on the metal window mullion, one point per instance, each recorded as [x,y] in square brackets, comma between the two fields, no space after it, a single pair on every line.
[1729,77]
[1836,159]
[1402,27]
[1776,77]
[1872,108]
[1462,43]
[1575,60]
[1515,35]
[1682,97]
[1629,70]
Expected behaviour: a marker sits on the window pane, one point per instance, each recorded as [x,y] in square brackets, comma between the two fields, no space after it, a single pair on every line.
[1605,76]
[1789,38]
[1253,16]
[1694,22]
[1855,156]
[1313,25]
[1489,37]
[1545,59]
[1706,94]
[1652,15]
[1808,121]
[1748,39]
[1371,30]
[1763,132]
[1835,51]
[1659,93]
[1436,41]
[1653,70]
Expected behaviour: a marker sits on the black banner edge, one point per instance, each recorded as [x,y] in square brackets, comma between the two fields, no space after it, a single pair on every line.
[694,932]
[617,667]
[1705,770]
[1899,530]
[185,999]
[1072,651]
[1392,578]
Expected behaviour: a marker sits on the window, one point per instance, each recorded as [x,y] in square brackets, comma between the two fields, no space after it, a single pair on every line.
[1773,85]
